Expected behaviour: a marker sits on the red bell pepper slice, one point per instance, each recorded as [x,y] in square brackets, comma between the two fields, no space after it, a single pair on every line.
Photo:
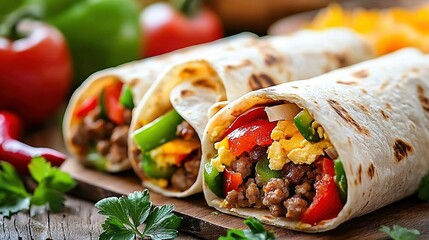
[231,181]
[246,137]
[327,202]
[87,106]
[114,109]
[247,117]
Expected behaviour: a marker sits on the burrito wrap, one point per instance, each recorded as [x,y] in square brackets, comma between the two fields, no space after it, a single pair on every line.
[139,75]
[376,115]
[229,74]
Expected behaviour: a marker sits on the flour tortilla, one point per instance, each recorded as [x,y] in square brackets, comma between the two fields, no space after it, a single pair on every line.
[376,115]
[139,75]
[235,71]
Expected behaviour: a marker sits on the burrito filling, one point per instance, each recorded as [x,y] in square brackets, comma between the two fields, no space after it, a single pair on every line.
[170,152]
[278,158]
[102,129]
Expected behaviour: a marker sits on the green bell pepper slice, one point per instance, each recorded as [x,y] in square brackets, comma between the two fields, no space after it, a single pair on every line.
[126,98]
[100,33]
[263,171]
[158,132]
[340,179]
[153,170]
[303,121]
[214,179]
[97,161]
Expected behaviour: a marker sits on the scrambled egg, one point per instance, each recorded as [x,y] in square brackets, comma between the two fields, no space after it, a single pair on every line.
[170,153]
[290,145]
[224,158]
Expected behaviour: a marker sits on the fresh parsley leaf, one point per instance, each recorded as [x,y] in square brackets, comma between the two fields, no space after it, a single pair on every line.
[256,231]
[125,216]
[423,192]
[13,195]
[52,184]
[401,233]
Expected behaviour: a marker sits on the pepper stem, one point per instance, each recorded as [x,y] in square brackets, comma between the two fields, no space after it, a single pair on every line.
[187,7]
[9,28]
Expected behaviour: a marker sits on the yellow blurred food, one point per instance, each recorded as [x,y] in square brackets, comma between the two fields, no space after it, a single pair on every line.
[388,29]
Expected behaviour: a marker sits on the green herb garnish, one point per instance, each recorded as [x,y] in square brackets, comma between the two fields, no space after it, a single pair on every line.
[401,233]
[52,184]
[125,216]
[256,231]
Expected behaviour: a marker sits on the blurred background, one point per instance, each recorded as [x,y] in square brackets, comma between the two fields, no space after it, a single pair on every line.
[81,37]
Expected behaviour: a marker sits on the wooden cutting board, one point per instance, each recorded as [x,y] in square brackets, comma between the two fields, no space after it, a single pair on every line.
[202,221]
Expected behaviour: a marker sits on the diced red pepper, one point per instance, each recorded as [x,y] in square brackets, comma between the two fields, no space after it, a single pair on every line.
[114,109]
[246,137]
[247,117]
[231,181]
[87,106]
[326,203]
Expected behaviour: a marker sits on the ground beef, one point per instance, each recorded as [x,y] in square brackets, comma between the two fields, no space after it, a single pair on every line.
[120,135]
[295,172]
[252,192]
[186,175]
[116,153]
[128,113]
[275,192]
[103,147]
[277,210]
[305,191]
[185,131]
[243,165]
[80,137]
[257,153]
[295,206]
[236,199]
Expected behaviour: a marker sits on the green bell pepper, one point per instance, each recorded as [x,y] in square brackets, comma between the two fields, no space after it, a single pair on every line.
[214,179]
[263,171]
[153,170]
[96,160]
[340,179]
[303,121]
[126,98]
[100,33]
[158,132]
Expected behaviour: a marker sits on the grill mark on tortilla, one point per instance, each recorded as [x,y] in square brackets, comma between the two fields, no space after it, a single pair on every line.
[271,59]
[401,149]
[371,171]
[361,74]
[364,91]
[360,174]
[352,83]
[366,204]
[363,108]
[245,63]
[260,81]
[384,85]
[342,112]
[186,93]
[204,83]
[133,82]
[389,107]
[340,58]
[187,72]
[424,101]
[385,116]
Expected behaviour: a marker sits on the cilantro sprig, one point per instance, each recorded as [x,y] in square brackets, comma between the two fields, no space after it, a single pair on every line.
[256,231]
[401,233]
[52,184]
[126,215]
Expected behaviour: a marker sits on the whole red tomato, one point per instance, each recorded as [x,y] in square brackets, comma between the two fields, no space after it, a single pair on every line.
[167,29]
[35,72]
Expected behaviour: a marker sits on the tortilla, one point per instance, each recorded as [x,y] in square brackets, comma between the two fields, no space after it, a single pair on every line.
[139,75]
[229,74]
[376,115]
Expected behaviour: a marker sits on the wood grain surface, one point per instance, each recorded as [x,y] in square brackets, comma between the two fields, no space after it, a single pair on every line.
[201,221]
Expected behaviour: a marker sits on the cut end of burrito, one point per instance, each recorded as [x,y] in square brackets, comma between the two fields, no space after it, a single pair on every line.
[310,155]
[276,158]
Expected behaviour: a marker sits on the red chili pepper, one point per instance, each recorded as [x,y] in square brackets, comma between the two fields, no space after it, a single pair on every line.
[247,117]
[114,109]
[231,181]
[17,153]
[246,137]
[87,106]
[326,203]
